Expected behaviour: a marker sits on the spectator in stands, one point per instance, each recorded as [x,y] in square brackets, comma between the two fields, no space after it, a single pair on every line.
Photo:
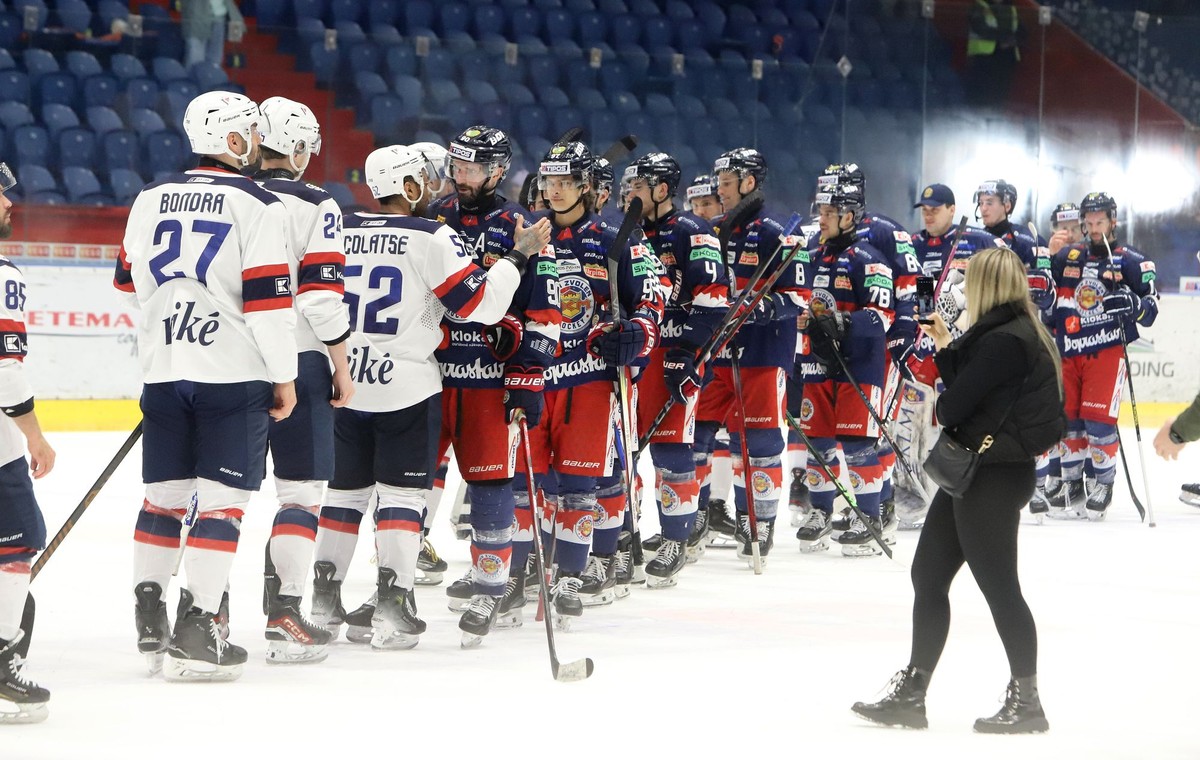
[205,24]
[993,51]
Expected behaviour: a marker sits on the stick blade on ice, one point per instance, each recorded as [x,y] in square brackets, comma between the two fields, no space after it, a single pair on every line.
[579,670]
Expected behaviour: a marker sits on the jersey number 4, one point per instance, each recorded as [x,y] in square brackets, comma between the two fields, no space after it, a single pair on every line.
[169,233]
[383,297]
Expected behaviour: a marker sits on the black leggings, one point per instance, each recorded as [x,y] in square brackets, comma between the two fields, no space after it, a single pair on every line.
[980,529]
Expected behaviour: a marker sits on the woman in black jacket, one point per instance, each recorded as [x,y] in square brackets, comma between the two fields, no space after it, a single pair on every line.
[1002,379]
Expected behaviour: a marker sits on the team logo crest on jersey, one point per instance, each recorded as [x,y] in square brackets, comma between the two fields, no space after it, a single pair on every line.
[806,410]
[762,483]
[911,395]
[670,500]
[577,301]
[822,302]
[1089,296]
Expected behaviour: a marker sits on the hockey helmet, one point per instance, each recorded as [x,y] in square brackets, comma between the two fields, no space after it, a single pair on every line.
[1098,202]
[604,174]
[212,116]
[844,197]
[481,145]
[1064,213]
[746,162]
[702,186]
[655,168]
[8,180]
[289,128]
[1002,189]
[387,169]
[569,159]
[435,155]
[843,174]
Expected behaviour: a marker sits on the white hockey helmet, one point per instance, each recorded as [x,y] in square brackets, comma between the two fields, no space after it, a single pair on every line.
[436,156]
[387,169]
[211,116]
[8,180]
[290,128]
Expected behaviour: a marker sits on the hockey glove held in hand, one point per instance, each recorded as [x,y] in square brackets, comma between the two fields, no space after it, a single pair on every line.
[1147,311]
[679,372]
[624,342]
[523,390]
[1119,303]
[504,338]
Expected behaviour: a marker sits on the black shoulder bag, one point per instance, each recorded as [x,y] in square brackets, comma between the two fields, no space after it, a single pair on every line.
[952,465]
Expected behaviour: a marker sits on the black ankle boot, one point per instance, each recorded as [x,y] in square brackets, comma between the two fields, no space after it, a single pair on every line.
[904,705]
[1022,712]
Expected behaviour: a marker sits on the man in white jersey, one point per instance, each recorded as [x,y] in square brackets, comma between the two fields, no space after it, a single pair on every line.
[302,445]
[22,530]
[206,255]
[403,273]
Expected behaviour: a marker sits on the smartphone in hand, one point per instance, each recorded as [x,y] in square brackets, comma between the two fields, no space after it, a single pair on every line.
[925,299]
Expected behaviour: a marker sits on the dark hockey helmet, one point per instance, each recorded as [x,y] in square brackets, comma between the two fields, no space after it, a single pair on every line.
[568,159]
[604,174]
[843,174]
[844,197]
[702,187]
[1002,189]
[481,145]
[1064,213]
[747,162]
[1098,202]
[655,168]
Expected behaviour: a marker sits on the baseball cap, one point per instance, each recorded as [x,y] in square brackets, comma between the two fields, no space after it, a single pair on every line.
[935,195]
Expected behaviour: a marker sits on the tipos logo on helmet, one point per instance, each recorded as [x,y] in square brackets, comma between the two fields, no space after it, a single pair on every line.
[656,168]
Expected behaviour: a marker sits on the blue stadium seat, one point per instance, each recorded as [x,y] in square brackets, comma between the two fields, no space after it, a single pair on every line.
[533,121]
[341,193]
[459,114]
[100,90]
[453,16]
[144,121]
[31,145]
[410,91]
[59,87]
[614,75]
[383,12]
[141,92]
[34,179]
[83,64]
[437,65]
[678,10]
[323,64]
[401,59]
[579,6]
[56,117]
[623,102]
[14,85]
[387,112]
[462,42]
[74,15]
[523,21]
[477,64]
[126,67]
[644,126]
[722,109]
[563,119]
[38,63]
[579,76]
[612,7]
[270,14]
[603,126]
[560,25]
[624,31]
[657,33]
[209,77]
[103,120]
[497,115]
[548,4]
[77,147]
[119,149]
[6,60]
[488,19]
[19,6]
[365,56]
[126,183]
[165,152]
[517,95]
[15,114]
[308,32]
[385,35]
[479,91]
[442,91]
[418,14]
[591,29]
[552,98]
[167,70]
[349,34]
[186,88]
[590,99]
[174,106]
[10,30]
[367,84]
[689,34]
[542,71]
[316,9]
[348,10]
[688,107]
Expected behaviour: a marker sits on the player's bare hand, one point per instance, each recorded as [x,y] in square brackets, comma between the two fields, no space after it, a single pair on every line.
[285,400]
[802,319]
[530,239]
[343,389]
[1163,445]
[935,327]
[41,457]
[1058,241]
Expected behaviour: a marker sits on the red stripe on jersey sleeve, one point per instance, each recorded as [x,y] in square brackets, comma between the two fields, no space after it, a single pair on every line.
[267,304]
[453,280]
[270,270]
[323,257]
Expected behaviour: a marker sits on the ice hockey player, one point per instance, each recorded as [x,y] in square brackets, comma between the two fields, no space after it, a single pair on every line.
[1065,217]
[490,374]
[403,272]
[688,248]
[766,344]
[702,198]
[22,529]
[206,255]
[302,445]
[995,201]
[915,429]
[575,437]
[850,311]
[1102,298]
[438,186]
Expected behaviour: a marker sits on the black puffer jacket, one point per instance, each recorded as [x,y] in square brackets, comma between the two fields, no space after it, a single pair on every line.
[984,371]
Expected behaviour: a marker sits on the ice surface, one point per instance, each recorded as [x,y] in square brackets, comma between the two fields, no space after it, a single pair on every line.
[726,664]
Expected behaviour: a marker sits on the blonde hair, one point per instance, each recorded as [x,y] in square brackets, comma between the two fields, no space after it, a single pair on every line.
[996,276]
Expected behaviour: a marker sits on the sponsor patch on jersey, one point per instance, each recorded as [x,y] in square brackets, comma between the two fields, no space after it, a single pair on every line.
[670,499]
[842,282]
[551,268]
[901,236]
[705,241]
[553,168]
[441,219]
[374,223]
[702,254]
[877,281]
[1072,271]
[595,271]
[856,481]
[877,268]
[583,528]
[749,258]
[1147,266]
[821,281]
[668,259]
[1072,324]
[643,268]
[638,251]
[569,266]
[791,241]
[489,259]
[1074,254]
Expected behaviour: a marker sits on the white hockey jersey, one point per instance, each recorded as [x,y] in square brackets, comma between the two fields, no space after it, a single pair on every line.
[316,261]
[14,386]
[402,274]
[206,254]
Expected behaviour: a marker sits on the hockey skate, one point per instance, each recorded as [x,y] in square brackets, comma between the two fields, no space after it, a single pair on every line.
[430,567]
[599,584]
[197,652]
[327,607]
[460,514]
[1039,504]
[904,704]
[857,541]
[766,539]
[1189,493]
[698,538]
[532,588]
[21,700]
[840,524]
[798,500]
[814,534]
[651,544]
[564,594]
[478,619]
[459,593]
[622,565]
[1099,497]
[154,629]
[395,622]
[359,628]
[292,638]
[1068,501]
[512,604]
[662,571]
[721,526]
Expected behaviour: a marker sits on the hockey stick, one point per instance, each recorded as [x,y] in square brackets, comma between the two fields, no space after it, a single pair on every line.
[847,495]
[1137,425]
[747,480]
[735,316]
[620,149]
[569,671]
[27,616]
[1137,503]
